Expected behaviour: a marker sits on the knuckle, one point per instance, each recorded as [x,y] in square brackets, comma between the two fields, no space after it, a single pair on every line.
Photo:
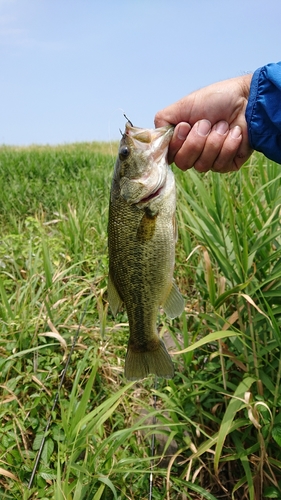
[202,166]
[182,163]
[221,165]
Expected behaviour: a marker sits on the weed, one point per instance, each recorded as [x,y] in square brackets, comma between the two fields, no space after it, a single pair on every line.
[218,423]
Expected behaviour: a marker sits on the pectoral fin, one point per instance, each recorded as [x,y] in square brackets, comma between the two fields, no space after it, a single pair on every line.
[174,303]
[114,298]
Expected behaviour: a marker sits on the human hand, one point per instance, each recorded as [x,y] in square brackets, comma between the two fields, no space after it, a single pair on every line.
[210,127]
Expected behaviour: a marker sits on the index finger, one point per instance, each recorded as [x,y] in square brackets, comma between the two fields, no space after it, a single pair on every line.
[179,136]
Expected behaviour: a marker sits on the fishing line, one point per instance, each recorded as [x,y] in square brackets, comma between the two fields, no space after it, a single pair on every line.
[38,456]
[152,446]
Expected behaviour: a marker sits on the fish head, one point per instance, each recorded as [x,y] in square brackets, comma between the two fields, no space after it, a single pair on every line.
[141,167]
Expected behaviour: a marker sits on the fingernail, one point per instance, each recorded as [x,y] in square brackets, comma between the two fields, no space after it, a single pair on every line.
[221,127]
[203,127]
[236,132]
[181,133]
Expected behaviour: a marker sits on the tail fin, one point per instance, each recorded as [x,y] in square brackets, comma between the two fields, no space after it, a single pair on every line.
[140,364]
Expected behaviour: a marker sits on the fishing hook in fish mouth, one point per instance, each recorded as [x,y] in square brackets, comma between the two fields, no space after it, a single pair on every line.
[128,120]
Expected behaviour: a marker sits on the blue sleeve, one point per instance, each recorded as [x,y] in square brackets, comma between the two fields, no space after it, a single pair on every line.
[263,113]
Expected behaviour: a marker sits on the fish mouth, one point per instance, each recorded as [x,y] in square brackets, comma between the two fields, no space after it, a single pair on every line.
[156,140]
[151,146]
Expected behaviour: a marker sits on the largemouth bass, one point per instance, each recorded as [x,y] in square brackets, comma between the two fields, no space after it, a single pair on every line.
[141,240]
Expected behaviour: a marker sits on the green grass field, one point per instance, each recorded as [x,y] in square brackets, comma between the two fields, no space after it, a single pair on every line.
[218,422]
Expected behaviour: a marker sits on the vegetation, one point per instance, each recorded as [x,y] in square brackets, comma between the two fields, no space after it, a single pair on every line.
[217,423]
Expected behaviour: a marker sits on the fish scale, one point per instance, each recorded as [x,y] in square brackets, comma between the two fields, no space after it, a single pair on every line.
[141,242]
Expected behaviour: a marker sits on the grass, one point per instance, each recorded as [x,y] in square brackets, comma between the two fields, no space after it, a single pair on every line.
[218,422]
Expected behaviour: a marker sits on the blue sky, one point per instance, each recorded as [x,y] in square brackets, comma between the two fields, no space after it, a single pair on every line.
[69,67]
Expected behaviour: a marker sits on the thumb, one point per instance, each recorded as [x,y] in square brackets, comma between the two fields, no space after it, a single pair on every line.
[175,113]
[160,119]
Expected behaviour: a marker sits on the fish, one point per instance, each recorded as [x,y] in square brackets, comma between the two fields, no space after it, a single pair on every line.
[142,234]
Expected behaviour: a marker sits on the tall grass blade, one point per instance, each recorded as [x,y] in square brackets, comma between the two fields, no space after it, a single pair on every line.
[7,311]
[211,337]
[235,404]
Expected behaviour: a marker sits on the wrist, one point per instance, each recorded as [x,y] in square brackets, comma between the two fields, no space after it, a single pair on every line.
[245,82]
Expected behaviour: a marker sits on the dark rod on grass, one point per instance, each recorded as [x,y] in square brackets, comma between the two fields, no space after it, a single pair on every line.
[38,456]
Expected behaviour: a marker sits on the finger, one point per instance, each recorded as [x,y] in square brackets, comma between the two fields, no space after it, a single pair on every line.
[193,146]
[160,121]
[212,148]
[180,134]
[227,160]
[175,113]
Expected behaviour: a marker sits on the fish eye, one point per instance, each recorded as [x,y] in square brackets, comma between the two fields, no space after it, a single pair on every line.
[124,152]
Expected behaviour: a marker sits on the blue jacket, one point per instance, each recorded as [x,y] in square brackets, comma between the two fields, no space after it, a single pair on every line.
[263,113]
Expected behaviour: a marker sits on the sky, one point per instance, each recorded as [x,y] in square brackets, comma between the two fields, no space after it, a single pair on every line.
[70,68]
